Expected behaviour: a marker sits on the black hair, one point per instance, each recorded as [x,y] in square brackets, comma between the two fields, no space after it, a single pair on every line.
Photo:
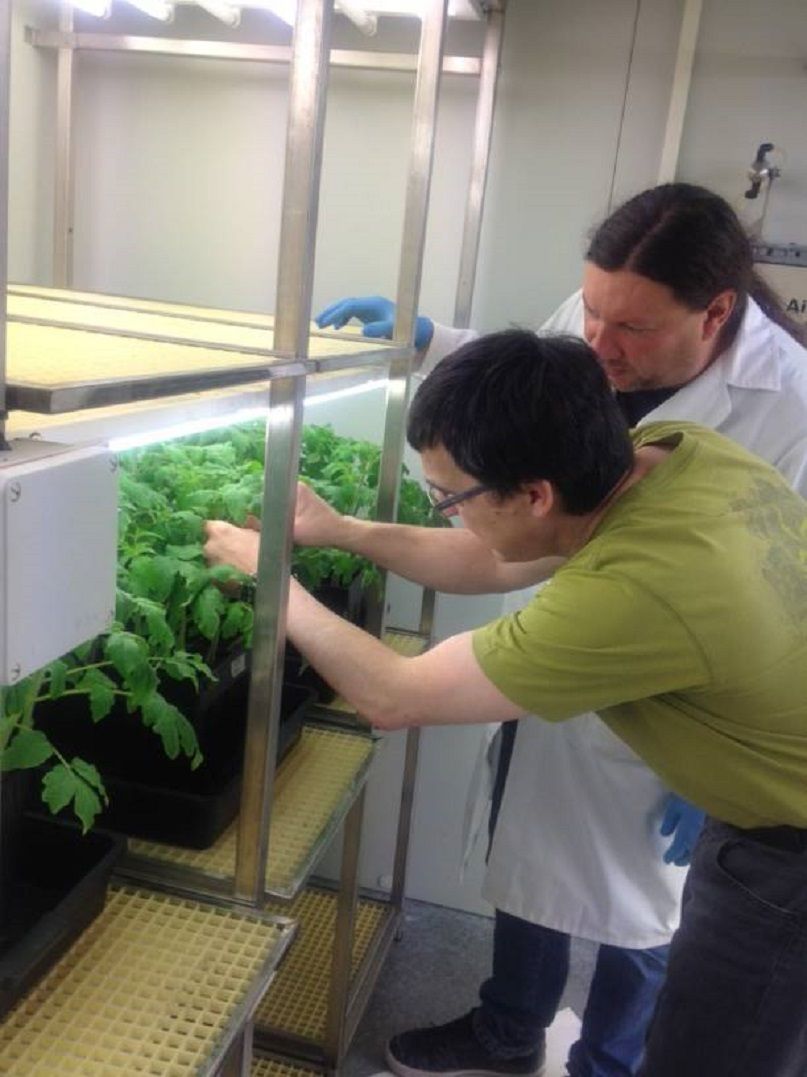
[691,240]
[513,407]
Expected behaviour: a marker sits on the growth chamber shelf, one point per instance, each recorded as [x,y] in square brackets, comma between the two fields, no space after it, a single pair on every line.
[157,984]
[314,789]
[67,352]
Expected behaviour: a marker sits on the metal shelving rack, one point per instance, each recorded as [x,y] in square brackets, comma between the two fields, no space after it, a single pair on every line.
[282,371]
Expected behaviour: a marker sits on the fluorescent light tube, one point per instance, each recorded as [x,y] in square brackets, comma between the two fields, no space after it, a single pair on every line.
[368,24]
[157,9]
[229,14]
[242,415]
[284,9]
[99,8]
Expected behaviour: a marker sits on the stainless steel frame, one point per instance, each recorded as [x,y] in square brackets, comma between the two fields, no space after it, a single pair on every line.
[292,313]
[63,191]
[416,211]
[287,366]
[225,50]
[483,131]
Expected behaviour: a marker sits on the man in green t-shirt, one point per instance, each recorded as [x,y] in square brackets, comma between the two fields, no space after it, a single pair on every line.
[677,612]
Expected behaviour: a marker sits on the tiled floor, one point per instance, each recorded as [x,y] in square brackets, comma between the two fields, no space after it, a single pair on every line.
[433,975]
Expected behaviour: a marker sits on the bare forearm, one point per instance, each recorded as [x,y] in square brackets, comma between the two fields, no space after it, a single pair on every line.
[445,559]
[444,686]
[358,666]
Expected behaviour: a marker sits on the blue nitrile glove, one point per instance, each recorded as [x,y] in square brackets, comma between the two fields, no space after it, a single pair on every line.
[377,314]
[684,822]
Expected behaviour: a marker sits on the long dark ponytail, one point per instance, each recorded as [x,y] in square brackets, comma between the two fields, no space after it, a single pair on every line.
[690,240]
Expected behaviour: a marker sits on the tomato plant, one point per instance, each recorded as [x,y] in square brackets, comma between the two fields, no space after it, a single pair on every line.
[174,613]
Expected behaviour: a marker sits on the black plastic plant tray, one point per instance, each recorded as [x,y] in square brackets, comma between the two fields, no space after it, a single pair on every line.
[191,808]
[217,712]
[121,745]
[57,888]
[224,698]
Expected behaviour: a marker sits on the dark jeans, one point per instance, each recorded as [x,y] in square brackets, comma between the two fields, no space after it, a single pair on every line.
[520,1000]
[735,1000]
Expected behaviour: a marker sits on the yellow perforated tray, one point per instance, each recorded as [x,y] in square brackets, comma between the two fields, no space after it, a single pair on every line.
[152,987]
[269,1067]
[209,326]
[123,302]
[56,357]
[297,1001]
[313,788]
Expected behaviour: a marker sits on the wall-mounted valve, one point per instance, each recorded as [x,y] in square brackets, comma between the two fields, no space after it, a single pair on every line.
[761,170]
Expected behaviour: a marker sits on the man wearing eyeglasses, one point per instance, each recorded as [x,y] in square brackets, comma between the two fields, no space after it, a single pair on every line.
[683,329]
[679,617]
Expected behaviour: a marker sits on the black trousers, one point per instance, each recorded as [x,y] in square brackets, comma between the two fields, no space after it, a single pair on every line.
[734,1003]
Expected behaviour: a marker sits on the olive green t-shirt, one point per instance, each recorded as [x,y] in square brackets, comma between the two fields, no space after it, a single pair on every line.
[683,623]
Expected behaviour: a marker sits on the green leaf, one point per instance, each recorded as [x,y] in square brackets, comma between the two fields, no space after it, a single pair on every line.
[86,805]
[184,528]
[57,672]
[187,666]
[185,553]
[88,773]
[227,574]
[84,652]
[28,748]
[140,683]
[237,619]
[207,609]
[180,669]
[58,787]
[129,655]
[174,729]
[160,637]
[101,691]
[126,652]
[195,576]
[153,577]
[124,605]
[63,785]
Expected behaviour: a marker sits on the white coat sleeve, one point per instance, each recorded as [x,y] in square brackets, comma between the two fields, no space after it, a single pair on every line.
[444,341]
[568,318]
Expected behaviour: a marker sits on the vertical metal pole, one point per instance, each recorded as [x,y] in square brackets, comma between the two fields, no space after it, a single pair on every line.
[238,1062]
[308,81]
[342,955]
[5,93]
[483,130]
[679,94]
[398,889]
[427,88]
[63,188]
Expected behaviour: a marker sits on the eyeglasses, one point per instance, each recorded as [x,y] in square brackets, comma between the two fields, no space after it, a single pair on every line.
[443,504]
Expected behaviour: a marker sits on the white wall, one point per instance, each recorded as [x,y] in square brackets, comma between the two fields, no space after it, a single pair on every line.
[749,86]
[178,189]
[31,147]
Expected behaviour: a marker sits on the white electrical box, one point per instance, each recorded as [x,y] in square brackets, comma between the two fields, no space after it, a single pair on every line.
[58,551]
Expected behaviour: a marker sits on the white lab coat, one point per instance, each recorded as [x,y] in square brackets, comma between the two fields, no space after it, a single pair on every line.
[576,846]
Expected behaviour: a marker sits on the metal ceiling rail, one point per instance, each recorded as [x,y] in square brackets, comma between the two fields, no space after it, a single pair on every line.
[77,396]
[227,50]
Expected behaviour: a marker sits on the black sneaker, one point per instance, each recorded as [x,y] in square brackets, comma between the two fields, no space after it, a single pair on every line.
[452,1050]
